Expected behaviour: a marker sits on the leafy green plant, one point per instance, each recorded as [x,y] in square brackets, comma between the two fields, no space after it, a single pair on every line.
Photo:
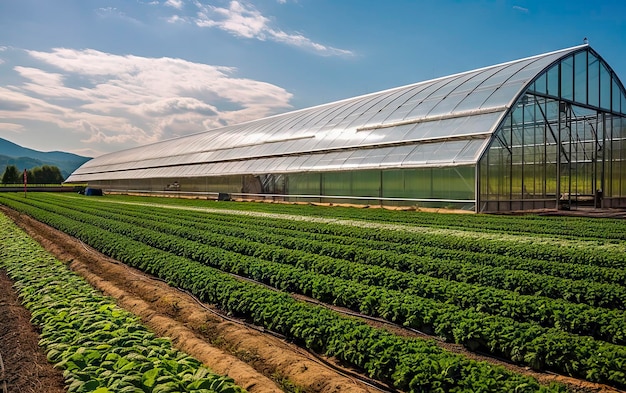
[100,347]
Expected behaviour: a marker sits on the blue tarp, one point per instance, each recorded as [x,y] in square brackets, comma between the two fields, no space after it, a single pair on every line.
[93,191]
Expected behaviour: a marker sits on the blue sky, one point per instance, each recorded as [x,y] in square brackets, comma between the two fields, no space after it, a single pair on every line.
[96,76]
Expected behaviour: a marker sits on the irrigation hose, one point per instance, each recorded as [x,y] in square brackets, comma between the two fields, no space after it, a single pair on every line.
[307,353]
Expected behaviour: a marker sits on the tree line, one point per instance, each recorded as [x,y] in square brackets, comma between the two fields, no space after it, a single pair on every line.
[46,174]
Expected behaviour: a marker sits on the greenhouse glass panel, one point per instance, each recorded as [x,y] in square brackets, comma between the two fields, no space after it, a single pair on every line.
[362,119]
[580,77]
[349,119]
[336,183]
[466,83]
[401,133]
[407,93]
[386,106]
[503,96]
[446,105]
[474,100]
[553,81]
[288,147]
[393,184]
[419,183]
[541,84]
[375,137]
[353,161]
[325,163]
[263,166]
[396,155]
[305,119]
[419,155]
[371,158]
[447,151]
[297,163]
[471,150]
[366,183]
[615,102]
[422,131]
[399,114]
[311,162]
[567,78]
[503,75]
[594,80]
[334,160]
[303,184]
[218,168]
[453,183]
[458,126]
[605,87]
[240,167]
[281,164]
[323,141]
[423,108]
[324,123]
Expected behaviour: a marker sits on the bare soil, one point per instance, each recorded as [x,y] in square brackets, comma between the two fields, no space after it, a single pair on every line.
[256,360]
[26,369]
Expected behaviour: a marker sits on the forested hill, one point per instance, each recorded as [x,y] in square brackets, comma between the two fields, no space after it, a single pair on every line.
[25,158]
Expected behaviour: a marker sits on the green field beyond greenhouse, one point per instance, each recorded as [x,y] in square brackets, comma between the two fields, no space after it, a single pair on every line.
[547,293]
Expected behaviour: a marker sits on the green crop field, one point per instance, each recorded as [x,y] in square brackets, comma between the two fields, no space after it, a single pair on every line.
[100,347]
[548,293]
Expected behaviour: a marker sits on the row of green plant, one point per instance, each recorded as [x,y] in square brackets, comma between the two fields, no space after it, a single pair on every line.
[605,324]
[346,247]
[522,282]
[532,225]
[531,344]
[100,347]
[412,365]
[478,241]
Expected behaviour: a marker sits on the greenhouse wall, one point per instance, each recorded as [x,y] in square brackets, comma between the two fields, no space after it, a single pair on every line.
[452,187]
[447,187]
[562,144]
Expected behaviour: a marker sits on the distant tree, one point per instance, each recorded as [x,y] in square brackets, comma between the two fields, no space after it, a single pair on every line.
[47,174]
[11,175]
[51,174]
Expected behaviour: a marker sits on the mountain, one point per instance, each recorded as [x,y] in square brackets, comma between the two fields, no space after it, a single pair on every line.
[24,158]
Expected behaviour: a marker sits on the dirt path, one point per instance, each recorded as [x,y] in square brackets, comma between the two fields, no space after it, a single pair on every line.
[26,368]
[256,361]
[170,313]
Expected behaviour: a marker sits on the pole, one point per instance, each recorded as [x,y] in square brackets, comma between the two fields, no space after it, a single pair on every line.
[25,182]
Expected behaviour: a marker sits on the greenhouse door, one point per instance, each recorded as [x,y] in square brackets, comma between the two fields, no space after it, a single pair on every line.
[581,161]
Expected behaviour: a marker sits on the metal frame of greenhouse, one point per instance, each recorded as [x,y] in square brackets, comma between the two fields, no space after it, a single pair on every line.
[548,131]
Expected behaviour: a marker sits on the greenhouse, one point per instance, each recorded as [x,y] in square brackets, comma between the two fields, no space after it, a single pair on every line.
[548,131]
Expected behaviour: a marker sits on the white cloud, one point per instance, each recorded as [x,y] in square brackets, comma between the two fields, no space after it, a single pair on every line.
[11,127]
[243,20]
[521,9]
[176,19]
[113,12]
[178,4]
[121,101]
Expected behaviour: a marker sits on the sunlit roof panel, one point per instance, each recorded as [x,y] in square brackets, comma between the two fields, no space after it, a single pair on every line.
[424,114]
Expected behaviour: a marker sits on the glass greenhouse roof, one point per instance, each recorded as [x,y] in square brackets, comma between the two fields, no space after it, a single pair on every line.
[441,122]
